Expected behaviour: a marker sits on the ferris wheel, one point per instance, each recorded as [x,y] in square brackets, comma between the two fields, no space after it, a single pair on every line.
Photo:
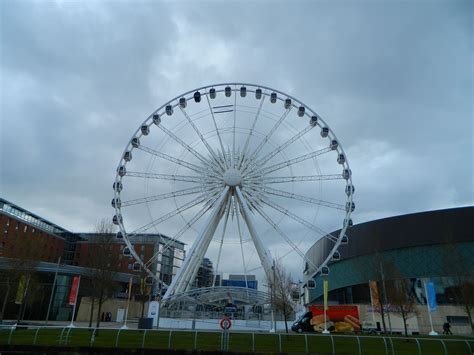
[243,174]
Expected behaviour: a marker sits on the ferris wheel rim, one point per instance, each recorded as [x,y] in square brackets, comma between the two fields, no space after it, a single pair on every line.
[234,88]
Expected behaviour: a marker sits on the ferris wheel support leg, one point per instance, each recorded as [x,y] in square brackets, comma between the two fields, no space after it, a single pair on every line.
[182,278]
[263,253]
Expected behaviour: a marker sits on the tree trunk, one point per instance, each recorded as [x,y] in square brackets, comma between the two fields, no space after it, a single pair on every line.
[469,315]
[5,301]
[92,312]
[143,306]
[100,308]
[284,317]
[404,317]
[382,314]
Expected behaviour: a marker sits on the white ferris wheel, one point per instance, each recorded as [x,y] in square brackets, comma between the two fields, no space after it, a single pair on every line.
[242,174]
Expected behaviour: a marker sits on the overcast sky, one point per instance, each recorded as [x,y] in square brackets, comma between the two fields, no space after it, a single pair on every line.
[393,79]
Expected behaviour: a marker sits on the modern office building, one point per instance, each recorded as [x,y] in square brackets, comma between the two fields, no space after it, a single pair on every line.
[436,246]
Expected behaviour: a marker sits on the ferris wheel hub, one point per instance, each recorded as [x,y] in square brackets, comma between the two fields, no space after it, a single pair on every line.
[232,177]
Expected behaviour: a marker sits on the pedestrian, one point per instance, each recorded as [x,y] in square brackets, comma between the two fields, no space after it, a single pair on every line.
[102,317]
[447,328]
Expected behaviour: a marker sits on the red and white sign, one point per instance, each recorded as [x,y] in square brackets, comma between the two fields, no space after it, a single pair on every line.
[73,293]
[225,323]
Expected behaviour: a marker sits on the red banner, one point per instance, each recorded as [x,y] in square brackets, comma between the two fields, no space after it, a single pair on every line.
[73,293]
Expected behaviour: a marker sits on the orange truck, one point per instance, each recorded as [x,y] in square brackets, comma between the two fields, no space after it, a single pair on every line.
[339,319]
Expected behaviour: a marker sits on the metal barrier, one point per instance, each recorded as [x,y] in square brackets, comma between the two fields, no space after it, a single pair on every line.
[174,339]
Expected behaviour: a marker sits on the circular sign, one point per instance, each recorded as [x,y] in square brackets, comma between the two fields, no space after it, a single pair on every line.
[225,323]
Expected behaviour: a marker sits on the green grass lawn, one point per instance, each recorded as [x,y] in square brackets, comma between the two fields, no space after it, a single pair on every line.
[237,341]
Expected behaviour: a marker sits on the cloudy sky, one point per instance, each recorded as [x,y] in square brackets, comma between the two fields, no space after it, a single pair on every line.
[393,79]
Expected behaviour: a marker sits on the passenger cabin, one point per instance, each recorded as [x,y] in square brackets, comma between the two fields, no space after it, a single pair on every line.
[301,110]
[145,130]
[156,119]
[197,96]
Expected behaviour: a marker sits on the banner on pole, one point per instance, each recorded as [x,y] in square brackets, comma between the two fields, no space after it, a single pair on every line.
[21,290]
[130,287]
[374,294]
[431,296]
[73,292]
[325,287]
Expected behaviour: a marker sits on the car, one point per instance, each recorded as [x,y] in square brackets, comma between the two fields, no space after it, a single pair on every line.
[303,323]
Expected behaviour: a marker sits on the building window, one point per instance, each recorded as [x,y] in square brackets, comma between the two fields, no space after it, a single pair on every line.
[458,320]
[25,229]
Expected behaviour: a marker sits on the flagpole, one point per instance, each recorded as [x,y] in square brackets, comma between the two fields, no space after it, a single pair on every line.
[429,310]
[372,302]
[75,303]
[124,326]
[325,297]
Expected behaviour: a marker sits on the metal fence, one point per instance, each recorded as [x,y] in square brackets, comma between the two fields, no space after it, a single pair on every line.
[17,336]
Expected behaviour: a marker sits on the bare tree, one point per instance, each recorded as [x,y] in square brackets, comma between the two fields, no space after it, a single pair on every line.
[378,269]
[454,264]
[401,298]
[24,255]
[103,266]
[281,287]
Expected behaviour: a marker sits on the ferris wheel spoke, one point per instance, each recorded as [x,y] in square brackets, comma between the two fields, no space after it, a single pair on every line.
[224,228]
[184,192]
[217,130]
[284,179]
[185,178]
[187,147]
[200,199]
[267,138]
[237,214]
[298,197]
[181,162]
[289,162]
[201,137]
[183,230]
[285,145]
[284,236]
[247,141]
[233,131]
[300,220]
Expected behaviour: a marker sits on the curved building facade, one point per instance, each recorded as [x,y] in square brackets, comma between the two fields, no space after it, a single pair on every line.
[435,246]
